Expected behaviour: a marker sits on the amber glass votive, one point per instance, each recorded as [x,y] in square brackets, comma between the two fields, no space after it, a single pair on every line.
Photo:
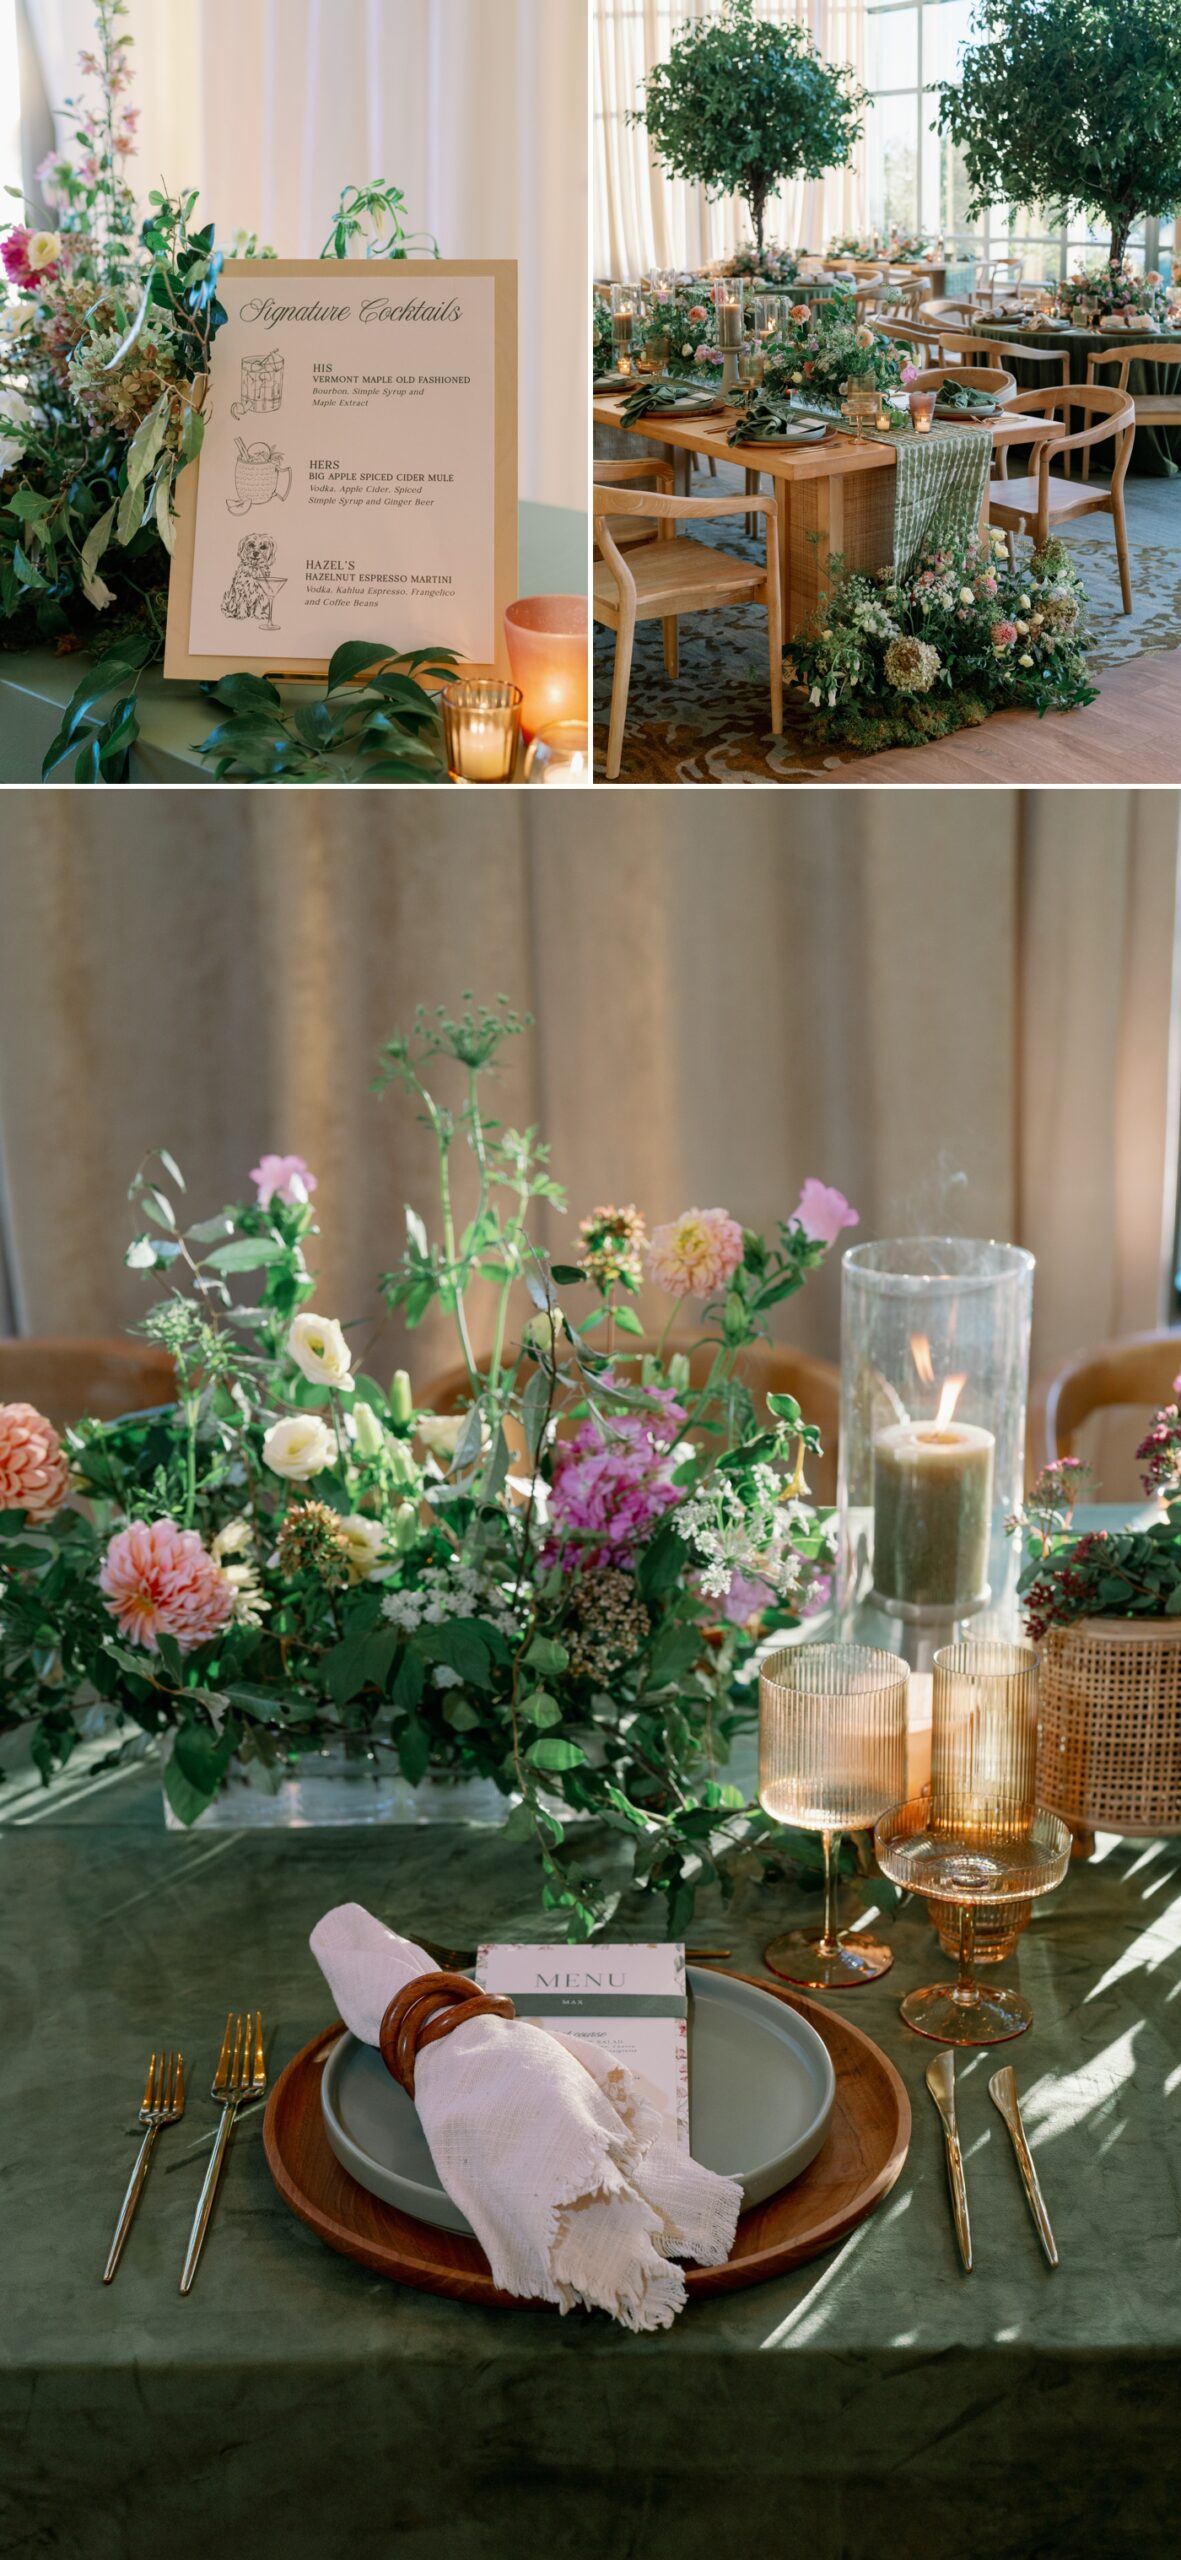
[548,643]
[481,725]
[922,411]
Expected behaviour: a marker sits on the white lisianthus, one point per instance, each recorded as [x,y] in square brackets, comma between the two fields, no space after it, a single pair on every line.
[1026,661]
[1022,605]
[967,595]
[43,249]
[1023,628]
[318,1347]
[440,1432]
[299,1447]
[366,1544]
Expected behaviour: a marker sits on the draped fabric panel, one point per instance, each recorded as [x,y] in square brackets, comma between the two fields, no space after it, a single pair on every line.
[645,219]
[475,108]
[963,1015]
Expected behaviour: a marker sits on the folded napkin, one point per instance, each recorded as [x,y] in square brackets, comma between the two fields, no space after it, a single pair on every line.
[544,2143]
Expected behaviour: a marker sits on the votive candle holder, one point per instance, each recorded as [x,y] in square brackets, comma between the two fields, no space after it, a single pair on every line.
[548,640]
[922,411]
[482,728]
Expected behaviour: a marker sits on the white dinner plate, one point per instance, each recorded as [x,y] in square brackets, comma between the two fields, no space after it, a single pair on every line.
[761,2093]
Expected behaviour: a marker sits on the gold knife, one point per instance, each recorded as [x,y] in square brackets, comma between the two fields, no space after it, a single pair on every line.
[1002,2090]
[940,2077]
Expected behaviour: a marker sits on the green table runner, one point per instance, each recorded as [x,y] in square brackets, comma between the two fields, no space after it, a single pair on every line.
[939,485]
[1156,453]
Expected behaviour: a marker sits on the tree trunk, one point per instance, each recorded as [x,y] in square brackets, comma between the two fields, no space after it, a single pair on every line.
[1120,229]
[757,207]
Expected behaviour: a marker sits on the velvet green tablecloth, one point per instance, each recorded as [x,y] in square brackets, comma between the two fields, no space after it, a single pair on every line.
[1156,453]
[875,2405]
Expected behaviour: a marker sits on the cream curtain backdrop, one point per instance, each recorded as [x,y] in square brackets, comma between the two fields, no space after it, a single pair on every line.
[477,109]
[963,1017]
[645,220]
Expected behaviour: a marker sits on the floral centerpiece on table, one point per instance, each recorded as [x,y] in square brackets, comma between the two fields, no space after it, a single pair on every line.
[556,1586]
[891,663]
[104,337]
[1103,1573]
[771,265]
[816,352]
[1113,287]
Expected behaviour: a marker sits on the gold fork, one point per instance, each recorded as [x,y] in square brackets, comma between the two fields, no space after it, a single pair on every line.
[163,2102]
[241,2073]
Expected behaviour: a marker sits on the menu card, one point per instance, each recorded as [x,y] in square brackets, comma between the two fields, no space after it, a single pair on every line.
[357,476]
[631,2000]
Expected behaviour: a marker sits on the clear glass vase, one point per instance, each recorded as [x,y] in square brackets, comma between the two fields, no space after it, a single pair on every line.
[318,1789]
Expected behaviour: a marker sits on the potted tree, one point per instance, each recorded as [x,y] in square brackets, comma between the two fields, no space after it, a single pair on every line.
[740,105]
[1071,104]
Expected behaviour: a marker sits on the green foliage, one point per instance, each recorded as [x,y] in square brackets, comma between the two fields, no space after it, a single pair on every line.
[1124,1573]
[1071,104]
[817,353]
[742,103]
[368,222]
[375,722]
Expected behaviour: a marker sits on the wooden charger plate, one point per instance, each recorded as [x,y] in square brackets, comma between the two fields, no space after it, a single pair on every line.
[867,2144]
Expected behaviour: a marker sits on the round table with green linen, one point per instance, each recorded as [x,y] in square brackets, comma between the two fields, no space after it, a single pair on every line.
[1156,453]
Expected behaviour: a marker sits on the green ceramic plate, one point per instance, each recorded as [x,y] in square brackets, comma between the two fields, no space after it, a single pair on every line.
[761,2092]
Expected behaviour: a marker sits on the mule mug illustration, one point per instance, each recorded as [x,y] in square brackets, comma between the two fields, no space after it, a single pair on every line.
[258,473]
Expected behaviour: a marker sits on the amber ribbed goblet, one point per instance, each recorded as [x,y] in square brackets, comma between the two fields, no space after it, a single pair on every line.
[832,1756]
[984,1707]
[988,1862]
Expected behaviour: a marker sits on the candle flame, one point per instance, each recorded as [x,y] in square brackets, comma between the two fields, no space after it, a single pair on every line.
[920,1352]
[949,1396]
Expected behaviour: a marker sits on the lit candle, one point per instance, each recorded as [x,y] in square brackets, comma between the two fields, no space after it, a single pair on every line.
[482,725]
[559,757]
[922,410]
[932,1506]
[548,641]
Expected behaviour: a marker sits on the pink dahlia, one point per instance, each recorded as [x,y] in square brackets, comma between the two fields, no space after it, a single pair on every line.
[34,1468]
[160,1581]
[696,1254]
[822,1212]
[613,1481]
[282,1178]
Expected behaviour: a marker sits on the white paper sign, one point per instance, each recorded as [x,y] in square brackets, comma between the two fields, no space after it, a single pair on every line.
[348,478]
[630,2000]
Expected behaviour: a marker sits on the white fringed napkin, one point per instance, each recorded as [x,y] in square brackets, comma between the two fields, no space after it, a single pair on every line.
[544,2143]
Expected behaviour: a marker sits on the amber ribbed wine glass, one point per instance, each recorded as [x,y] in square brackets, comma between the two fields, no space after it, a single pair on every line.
[832,1756]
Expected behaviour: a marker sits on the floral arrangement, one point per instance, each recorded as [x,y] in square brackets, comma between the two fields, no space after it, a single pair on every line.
[1105,1573]
[893,663]
[557,1587]
[906,248]
[817,352]
[105,332]
[1114,287]
[768,264]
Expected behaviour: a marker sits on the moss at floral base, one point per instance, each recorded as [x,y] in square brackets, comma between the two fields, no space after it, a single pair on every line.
[911,722]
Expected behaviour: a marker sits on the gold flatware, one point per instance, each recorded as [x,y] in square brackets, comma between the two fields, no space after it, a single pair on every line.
[241,2073]
[163,2102]
[940,2078]
[1002,2090]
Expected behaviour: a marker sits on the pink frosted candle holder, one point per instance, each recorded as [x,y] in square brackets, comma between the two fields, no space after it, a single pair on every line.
[548,640]
[922,411]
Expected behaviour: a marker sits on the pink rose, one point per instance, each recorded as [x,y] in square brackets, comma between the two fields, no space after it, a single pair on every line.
[34,1469]
[910,372]
[696,1254]
[159,1580]
[282,1178]
[697,312]
[799,311]
[822,1212]
[1003,634]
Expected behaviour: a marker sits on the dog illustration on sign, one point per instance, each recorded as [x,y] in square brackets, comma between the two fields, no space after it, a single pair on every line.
[254,590]
[258,473]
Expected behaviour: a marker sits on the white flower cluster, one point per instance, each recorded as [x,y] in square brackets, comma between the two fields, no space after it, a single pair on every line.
[747,1529]
[452,1590]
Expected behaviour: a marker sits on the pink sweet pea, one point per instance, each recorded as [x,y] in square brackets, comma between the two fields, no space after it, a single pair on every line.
[282,1178]
[822,1212]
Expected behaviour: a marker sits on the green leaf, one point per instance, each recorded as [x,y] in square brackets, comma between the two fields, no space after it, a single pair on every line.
[567,1274]
[626,1320]
[247,1253]
[201,1757]
[785,1409]
[187,1801]
[409,1679]
[414,1748]
[540,1709]
[457,1644]
[355,658]
[550,1753]
[545,1654]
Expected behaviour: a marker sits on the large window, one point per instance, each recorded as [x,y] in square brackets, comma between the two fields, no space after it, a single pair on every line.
[916,180]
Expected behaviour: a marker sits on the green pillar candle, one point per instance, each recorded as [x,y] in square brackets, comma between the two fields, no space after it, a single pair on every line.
[932,1504]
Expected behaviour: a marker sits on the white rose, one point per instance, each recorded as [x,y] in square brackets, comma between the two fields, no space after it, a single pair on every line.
[966,596]
[366,1545]
[299,1447]
[1025,661]
[318,1347]
[1023,628]
[1023,604]
[43,249]
[439,1432]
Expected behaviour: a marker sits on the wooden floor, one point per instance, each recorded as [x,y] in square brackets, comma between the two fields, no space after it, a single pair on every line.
[1131,734]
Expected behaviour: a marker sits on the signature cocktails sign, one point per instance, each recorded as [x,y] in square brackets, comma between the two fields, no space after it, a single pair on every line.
[357,478]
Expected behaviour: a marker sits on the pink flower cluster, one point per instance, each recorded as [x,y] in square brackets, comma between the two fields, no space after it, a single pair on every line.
[158,1580]
[696,1254]
[822,1212]
[613,1483]
[282,1178]
[34,1468]
[14,250]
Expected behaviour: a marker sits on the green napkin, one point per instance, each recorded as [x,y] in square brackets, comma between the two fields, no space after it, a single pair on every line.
[650,398]
[964,395]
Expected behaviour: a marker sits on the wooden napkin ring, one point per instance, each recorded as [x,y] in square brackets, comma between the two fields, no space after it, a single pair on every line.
[430,2007]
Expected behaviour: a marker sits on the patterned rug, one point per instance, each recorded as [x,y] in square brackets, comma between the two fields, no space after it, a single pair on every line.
[713,723]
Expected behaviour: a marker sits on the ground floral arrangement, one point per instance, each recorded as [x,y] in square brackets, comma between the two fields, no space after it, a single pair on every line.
[558,1587]
[104,335]
[1103,1573]
[894,664]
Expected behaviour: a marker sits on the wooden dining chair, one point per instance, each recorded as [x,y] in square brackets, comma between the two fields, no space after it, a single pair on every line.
[67,1376]
[1138,1371]
[628,531]
[1037,504]
[766,1368]
[958,343]
[956,310]
[993,276]
[674,575]
[973,377]
[1152,408]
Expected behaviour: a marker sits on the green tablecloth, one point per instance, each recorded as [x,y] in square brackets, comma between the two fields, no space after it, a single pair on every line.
[1156,453]
[35,686]
[874,2403]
